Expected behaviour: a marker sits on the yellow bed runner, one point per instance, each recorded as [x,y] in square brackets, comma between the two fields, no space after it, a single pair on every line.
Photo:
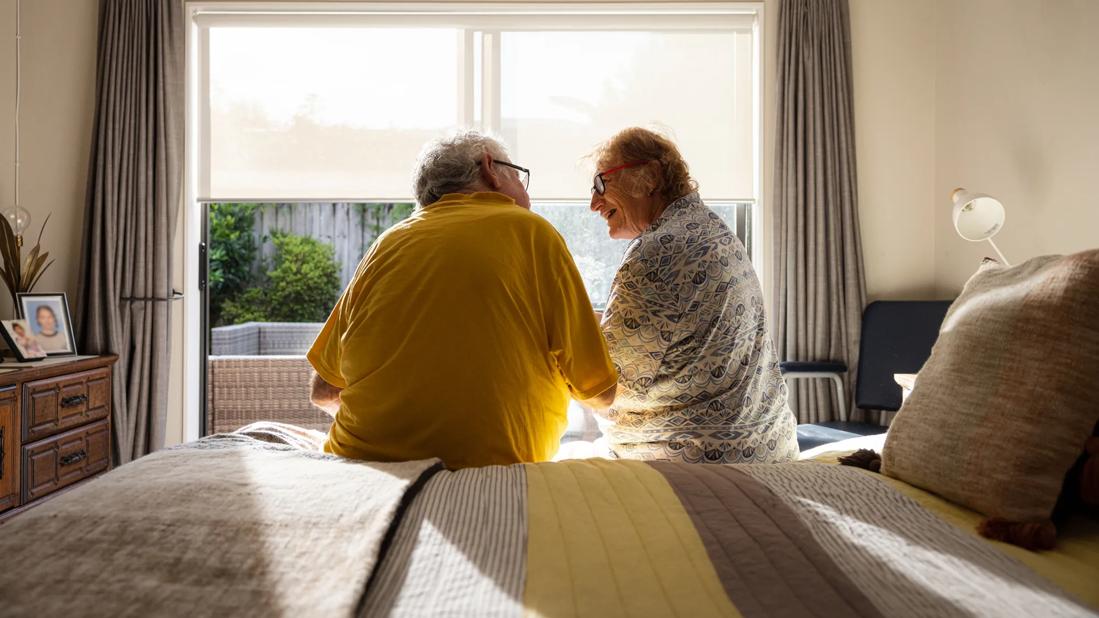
[612,539]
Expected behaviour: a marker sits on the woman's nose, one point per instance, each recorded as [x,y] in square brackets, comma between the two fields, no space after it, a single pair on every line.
[594,198]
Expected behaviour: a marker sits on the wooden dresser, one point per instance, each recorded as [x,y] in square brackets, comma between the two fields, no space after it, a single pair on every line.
[55,428]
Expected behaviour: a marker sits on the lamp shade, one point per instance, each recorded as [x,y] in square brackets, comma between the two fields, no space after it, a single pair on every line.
[977,216]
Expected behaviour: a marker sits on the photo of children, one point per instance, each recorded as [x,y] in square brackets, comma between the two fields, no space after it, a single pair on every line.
[18,335]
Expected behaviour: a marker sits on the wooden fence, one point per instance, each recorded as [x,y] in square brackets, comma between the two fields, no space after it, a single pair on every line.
[349,228]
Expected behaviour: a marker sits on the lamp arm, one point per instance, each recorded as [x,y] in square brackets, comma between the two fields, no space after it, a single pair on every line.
[1003,259]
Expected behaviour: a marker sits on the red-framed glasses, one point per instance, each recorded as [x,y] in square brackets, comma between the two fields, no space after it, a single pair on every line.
[599,183]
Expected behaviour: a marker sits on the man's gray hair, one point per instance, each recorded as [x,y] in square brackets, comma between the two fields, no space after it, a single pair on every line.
[451,164]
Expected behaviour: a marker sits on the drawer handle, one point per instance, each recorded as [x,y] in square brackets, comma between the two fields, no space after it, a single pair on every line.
[75,400]
[78,456]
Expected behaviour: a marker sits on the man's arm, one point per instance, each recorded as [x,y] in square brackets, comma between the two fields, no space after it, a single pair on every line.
[602,400]
[324,395]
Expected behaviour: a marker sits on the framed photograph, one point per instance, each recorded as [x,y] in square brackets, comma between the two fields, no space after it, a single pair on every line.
[18,335]
[51,325]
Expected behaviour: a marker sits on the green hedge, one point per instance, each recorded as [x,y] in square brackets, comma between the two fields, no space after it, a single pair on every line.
[301,286]
[232,256]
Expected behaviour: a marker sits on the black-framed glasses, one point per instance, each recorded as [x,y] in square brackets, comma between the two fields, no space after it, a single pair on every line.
[524,173]
[599,183]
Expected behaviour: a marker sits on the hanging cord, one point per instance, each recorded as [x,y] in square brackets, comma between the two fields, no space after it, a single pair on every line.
[18,86]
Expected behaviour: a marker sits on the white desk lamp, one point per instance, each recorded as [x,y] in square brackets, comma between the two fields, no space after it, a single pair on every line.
[978,217]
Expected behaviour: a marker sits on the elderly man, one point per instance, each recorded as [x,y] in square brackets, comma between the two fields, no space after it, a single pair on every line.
[466,327]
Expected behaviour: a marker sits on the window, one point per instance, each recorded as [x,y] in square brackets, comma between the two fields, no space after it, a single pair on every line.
[305,115]
[300,104]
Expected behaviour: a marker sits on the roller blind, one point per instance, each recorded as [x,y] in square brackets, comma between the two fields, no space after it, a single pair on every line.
[326,112]
[314,106]
[564,92]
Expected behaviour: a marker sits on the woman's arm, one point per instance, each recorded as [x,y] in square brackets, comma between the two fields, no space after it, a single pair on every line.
[324,395]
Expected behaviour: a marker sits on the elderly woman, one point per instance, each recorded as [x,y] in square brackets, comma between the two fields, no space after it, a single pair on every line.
[698,377]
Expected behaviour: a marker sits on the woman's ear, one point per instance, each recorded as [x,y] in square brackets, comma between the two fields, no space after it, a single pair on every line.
[653,176]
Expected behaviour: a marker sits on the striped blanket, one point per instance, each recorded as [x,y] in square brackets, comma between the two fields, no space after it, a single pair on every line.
[621,538]
[231,525]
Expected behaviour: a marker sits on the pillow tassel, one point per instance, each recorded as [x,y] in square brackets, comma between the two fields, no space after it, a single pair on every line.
[864,458]
[1033,535]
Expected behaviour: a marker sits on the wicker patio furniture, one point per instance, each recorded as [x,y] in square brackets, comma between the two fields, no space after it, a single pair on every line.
[258,372]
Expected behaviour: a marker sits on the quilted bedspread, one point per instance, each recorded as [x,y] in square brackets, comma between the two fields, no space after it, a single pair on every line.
[621,538]
[226,526]
[230,525]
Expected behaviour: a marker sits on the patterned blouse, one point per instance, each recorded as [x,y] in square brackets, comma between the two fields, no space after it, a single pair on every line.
[698,376]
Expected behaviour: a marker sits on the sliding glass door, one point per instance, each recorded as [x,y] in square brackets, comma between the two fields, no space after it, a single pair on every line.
[274,271]
[307,119]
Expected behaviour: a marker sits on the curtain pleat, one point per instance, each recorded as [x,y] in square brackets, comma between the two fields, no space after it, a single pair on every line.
[820,287]
[134,190]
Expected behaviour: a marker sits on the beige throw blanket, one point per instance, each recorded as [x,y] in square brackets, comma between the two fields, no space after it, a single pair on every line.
[229,525]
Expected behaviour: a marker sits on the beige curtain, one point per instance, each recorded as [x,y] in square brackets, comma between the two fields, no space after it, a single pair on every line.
[133,194]
[819,288]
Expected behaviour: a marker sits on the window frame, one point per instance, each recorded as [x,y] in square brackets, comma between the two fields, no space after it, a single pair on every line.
[479,108]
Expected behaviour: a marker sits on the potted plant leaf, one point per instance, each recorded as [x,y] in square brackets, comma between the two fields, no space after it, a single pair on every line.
[21,274]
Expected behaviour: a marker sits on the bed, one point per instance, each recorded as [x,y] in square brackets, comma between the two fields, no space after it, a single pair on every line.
[235,525]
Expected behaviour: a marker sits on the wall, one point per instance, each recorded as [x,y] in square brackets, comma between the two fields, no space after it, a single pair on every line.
[58,75]
[995,96]
[894,79]
[1017,116]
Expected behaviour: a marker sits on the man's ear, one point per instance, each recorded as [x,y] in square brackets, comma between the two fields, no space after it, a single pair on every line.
[489,175]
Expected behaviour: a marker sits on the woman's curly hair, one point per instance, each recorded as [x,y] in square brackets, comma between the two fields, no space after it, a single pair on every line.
[671,179]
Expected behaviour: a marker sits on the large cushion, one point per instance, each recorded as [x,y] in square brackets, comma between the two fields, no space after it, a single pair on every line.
[1006,402]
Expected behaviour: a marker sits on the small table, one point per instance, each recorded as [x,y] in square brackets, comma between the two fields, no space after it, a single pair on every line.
[907,382]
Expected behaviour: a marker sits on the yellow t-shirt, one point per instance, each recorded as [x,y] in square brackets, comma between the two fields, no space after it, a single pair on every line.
[461,336]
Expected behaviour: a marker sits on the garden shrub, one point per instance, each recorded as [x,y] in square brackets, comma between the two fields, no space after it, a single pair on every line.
[232,256]
[304,283]
[248,306]
[301,286]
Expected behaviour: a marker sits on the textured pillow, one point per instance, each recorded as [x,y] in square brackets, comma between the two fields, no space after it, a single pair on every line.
[1006,401]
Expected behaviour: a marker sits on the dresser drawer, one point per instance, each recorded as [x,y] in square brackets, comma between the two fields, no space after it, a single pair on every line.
[9,450]
[56,404]
[63,460]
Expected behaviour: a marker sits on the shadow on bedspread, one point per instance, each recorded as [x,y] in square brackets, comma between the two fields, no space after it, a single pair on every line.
[227,525]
